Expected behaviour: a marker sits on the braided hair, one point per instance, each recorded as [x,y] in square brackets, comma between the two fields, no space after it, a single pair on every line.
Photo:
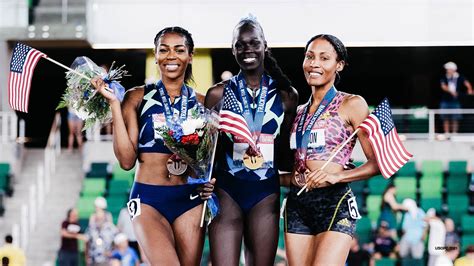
[270,63]
[189,42]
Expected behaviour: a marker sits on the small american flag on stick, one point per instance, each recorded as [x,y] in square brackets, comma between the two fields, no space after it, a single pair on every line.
[22,65]
[383,136]
[231,119]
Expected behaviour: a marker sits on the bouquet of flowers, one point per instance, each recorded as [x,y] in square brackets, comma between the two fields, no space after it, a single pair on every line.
[194,141]
[80,96]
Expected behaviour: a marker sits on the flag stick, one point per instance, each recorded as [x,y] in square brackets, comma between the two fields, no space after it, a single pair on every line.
[68,68]
[209,179]
[332,157]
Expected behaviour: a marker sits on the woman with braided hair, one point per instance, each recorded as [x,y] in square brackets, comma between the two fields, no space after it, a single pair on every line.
[258,107]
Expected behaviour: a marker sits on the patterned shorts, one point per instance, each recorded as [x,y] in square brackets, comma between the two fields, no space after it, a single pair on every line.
[331,208]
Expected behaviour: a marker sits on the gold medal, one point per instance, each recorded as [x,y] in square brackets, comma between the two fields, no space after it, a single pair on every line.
[253,162]
[176,166]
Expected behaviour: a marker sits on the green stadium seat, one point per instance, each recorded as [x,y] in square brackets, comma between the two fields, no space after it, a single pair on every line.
[412,262]
[427,203]
[385,262]
[373,203]
[409,169]
[457,184]
[377,185]
[120,174]
[431,187]
[364,230]
[98,169]
[457,207]
[93,187]
[467,240]
[118,187]
[432,168]
[114,204]
[467,224]
[406,187]
[85,206]
[457,167]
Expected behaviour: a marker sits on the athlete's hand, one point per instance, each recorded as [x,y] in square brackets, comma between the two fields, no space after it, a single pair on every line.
[319,178]
[101,87]
[205,190]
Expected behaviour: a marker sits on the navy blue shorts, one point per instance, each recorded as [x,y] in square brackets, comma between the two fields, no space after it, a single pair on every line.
[247,193]
[331,208]
[169,201]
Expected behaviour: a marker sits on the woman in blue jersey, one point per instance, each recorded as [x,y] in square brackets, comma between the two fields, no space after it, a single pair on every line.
[258,107]
[165,209]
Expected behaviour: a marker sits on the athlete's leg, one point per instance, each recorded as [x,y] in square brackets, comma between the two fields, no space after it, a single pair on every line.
[225,232]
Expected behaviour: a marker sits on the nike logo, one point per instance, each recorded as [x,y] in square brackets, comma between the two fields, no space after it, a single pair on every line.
[191,197]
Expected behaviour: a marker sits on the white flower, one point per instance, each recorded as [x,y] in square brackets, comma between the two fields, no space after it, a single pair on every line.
[188,127]
[198,123]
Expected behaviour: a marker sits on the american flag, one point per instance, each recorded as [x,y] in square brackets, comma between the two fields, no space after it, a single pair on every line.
[383,136]
[231,119]
[22,65]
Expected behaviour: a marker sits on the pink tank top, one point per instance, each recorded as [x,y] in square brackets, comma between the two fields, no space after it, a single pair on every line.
[329,131]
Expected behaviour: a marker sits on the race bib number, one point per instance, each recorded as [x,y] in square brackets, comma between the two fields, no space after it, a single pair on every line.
[353,210]
[159,120]
[133,207]
[317,138]
[293,141]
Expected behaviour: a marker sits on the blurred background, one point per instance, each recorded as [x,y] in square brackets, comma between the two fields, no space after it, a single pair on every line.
[397,49]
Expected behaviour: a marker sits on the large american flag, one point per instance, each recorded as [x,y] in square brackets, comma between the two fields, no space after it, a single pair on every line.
[231,119]
[383,136]
[22,65]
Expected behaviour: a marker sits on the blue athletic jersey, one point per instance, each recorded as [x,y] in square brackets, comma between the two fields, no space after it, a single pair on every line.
[152,115]
[233,148]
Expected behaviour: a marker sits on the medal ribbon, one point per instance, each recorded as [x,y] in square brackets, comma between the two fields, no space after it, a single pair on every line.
[302,134]
[165,100]
[255,122]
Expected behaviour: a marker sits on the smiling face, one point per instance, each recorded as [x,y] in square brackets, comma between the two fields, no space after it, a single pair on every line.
[249,47]
[172,56]
[321,63]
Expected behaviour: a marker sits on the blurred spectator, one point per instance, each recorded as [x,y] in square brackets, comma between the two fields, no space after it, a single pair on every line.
[468,259]
[123,255]
[357,256]
[384,245]
[100,236]
[413,227]
[68,254]
[437,235]
[5,261]
[452,237]
[100,204]
[14,254]
[74,124]
[124,225]
[389,208]
[453,86]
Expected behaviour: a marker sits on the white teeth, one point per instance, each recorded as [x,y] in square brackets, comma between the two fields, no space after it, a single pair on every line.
[249,60]
[314,74]
[171,67]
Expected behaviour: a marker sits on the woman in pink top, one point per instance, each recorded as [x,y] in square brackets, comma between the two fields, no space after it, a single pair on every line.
[320,223]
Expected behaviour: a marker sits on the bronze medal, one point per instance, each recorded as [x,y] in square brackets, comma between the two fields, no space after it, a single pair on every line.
[300,179]
[253,162]
[176,167]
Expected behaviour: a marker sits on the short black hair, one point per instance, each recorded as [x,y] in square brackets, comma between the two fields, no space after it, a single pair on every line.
[9,239]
